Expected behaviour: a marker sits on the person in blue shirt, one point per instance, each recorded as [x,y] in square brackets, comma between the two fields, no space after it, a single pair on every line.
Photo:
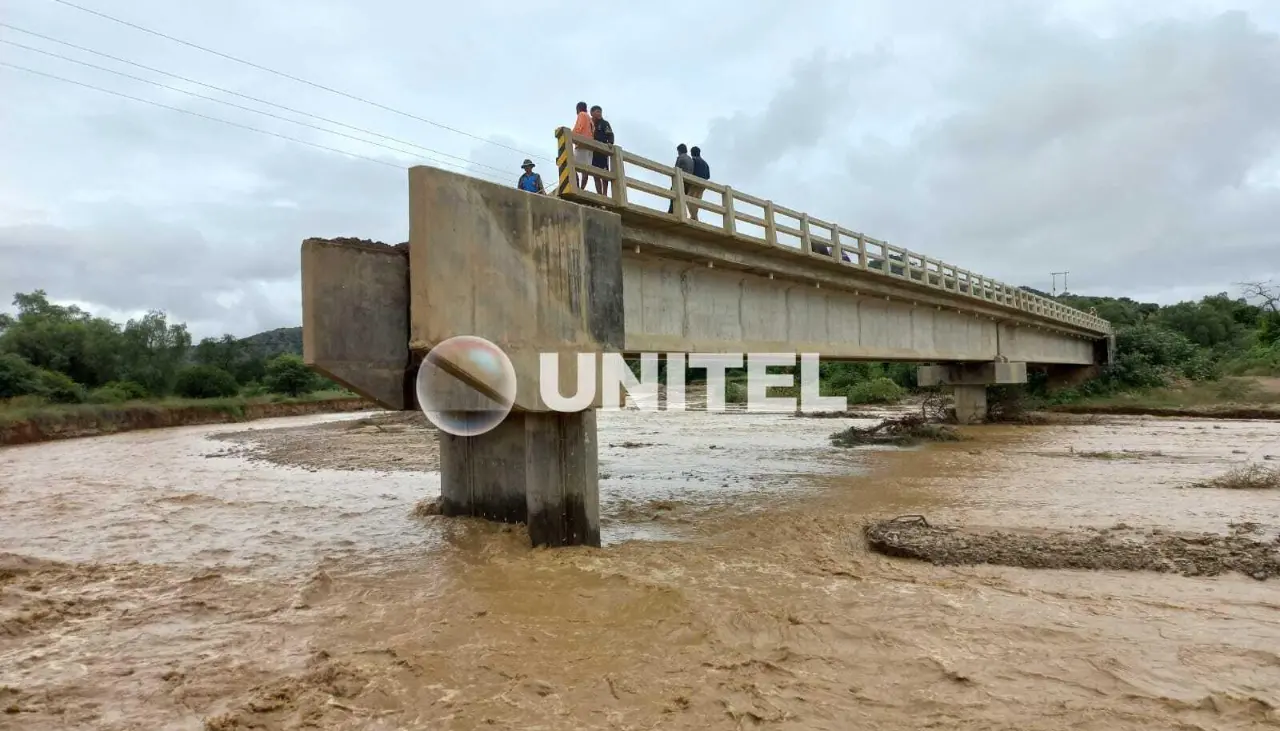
[530,181]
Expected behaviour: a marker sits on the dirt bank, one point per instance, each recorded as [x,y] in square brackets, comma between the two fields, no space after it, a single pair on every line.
[1229,411]
[92,421]
[1120,548]
[393,440]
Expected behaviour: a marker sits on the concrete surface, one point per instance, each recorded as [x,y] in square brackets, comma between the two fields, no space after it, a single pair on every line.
[355,316]
[531,273]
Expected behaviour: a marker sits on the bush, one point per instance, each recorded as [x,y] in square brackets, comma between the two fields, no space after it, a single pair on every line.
[133,390]
[877,391]
[254,388]
[287,374]
[18,377]
[735,392]
[60,389]
[205,381]
[108,395]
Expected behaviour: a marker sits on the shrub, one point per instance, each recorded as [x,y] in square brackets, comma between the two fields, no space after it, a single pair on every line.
[60,389]
[205,381]
[287,374]
[877,391]
[735,392]
[18,377]
[108,395]
[254,388]
[133,390]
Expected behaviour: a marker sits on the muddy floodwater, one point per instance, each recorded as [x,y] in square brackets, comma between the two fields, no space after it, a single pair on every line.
[276,577]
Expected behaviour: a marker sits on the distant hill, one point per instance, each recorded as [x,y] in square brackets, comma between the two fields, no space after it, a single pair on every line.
[274,342]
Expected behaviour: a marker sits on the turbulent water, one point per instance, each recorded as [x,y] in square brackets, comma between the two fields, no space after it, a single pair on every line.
[159,580]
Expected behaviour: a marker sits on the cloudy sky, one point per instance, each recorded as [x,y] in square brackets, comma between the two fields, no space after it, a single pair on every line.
[1134,144]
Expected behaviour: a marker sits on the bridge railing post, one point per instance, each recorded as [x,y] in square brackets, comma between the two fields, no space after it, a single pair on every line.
[770,225]
[730,217]
[620,176]
[568,182]
[677,192]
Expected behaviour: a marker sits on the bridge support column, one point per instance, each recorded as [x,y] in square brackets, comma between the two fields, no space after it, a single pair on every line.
[536,468]
[971,404]
[969,383]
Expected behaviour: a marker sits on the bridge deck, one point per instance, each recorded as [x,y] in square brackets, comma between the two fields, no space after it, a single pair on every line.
[661,202]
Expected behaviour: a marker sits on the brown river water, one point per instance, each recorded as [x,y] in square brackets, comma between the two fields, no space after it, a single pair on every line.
[173,580]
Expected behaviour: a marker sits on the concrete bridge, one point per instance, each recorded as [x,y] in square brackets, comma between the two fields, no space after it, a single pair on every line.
[634,272]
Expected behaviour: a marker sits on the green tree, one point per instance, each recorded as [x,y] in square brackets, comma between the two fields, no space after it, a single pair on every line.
[287,374]
[18,377]
[153,351]
[205,381]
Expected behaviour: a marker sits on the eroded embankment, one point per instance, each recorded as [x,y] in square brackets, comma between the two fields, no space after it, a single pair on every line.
[112,419]
[1229,411]
[1120,548]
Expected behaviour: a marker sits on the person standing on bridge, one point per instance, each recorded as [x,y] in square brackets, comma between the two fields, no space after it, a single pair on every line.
[530,181]
[604,134]
[582,127]
[702,170]
[684,163]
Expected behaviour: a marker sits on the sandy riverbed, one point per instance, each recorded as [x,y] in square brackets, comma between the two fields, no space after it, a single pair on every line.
[277,579]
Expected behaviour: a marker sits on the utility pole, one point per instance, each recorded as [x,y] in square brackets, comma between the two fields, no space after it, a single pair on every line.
[1055,282]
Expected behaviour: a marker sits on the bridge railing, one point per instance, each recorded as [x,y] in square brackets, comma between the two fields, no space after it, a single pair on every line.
[640,185]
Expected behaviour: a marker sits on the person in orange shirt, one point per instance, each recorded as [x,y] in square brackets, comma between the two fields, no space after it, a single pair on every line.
[582,156]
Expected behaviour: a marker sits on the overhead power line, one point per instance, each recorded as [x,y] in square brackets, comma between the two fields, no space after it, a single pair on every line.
[220,89]
[295,78]
[238,106]
[202,116]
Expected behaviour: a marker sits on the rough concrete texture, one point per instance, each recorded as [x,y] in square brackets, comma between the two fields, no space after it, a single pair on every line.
[355,316]
[972,374]
[530,273]
[971,404]
[535,468]
[688,306]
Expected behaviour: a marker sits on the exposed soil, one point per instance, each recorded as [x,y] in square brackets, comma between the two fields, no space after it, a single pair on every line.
[1267,413]
[109,420]
[402,441]
[1119,548]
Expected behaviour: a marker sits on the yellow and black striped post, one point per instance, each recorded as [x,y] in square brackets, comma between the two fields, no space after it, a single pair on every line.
[564,161]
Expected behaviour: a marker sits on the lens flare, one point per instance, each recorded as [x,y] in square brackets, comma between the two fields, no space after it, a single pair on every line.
[466,386]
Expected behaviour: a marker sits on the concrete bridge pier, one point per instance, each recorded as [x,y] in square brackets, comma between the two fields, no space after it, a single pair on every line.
[969,383]
[539,469]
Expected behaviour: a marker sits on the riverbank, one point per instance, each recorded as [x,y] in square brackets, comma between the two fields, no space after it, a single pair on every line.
[49,422]
[1229,398]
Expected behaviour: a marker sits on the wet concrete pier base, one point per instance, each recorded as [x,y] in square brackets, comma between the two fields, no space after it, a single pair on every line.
[971,404]
[537,468]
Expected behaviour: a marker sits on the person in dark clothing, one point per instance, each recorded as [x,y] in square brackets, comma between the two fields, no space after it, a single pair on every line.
[603,133]
[530,181]
[684,163]
[702,170]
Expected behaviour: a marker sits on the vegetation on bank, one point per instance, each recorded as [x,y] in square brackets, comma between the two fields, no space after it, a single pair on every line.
[65,360]
[59,361]
[45,414]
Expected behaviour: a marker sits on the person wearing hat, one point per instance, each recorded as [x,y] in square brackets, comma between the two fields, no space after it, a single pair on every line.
[530,181]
